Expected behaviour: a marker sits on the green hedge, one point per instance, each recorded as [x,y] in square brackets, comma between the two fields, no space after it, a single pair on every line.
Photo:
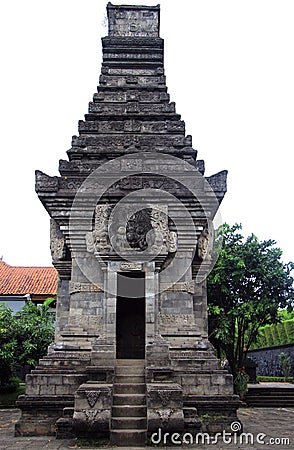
[282,332]
[266,379]
[269,336]
[277,334]
[289,326]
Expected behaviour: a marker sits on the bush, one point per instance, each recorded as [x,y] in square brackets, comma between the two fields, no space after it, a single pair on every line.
[8,400]
[285,364]
[10,386]
[24,338]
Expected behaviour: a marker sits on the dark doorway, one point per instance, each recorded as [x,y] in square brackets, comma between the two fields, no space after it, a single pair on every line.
[130,316]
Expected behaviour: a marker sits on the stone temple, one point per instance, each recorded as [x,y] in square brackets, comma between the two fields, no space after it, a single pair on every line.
[132,240]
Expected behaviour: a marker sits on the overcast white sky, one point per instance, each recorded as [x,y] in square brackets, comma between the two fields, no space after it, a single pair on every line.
[229,67]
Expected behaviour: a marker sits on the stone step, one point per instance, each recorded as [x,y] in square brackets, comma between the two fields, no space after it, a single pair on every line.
[273,402]
[198,363]
[54,370]
[130,362]
[129,370]
[128,438]
[129,399]
[129,411]
[128,423]
[129,379]
[277,396]
[129,388]
[288,389]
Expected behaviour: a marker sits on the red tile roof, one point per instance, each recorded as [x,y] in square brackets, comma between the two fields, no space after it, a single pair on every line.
[27,280]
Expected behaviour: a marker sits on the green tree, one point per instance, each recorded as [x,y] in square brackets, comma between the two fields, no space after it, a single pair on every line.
[285,314]
[8,343]
[24,336]
[246,288]
[36,332]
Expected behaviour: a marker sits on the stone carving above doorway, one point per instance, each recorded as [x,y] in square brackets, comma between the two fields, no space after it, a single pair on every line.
[137,228]
[146,229]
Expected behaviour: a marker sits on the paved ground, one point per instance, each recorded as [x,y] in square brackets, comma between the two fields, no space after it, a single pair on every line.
[268,423]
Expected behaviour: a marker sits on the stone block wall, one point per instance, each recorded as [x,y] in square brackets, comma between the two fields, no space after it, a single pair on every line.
[267,359]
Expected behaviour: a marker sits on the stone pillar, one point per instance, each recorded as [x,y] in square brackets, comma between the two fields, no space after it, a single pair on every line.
[151,282]
[62,308]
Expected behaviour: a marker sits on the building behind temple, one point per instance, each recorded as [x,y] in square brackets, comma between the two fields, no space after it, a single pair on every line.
[20,284]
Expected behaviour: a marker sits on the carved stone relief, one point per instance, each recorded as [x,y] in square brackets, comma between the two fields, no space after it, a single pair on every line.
[98,241]
[164,396]
[57,241]
[75,287]
[92,397]
[45,183]
[91,415]
[131,164]
[131,266]
[204,245]
[121,141]
[165,415]
[131,126]
[181,286]
[169,320]
[137,228]
[159,221]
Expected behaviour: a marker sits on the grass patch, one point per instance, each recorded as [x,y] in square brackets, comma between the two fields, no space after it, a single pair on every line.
[8,400]
[266,379]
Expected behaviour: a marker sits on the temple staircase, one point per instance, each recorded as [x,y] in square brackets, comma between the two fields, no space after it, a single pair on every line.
[272,395]
[129,411]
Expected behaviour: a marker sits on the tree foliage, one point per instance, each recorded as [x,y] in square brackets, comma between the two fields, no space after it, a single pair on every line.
[24,337]
[246,288]
[8,343]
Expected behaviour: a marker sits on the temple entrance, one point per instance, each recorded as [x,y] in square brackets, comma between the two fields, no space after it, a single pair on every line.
[130,316]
